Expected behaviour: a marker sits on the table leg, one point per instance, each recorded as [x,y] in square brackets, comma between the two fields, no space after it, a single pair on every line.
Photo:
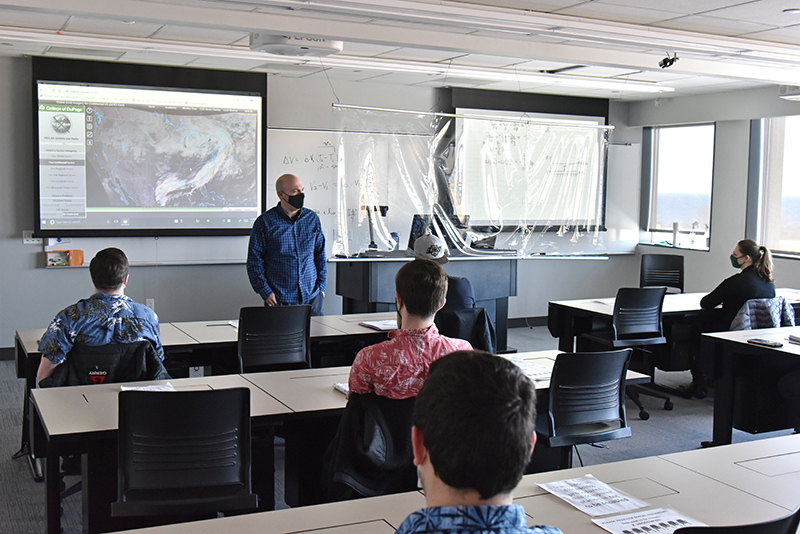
[724,385]
[52,493]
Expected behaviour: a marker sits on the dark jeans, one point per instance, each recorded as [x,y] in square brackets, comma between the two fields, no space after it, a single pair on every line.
[316,304]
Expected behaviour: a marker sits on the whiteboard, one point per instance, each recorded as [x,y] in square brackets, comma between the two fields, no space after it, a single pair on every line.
[311,155]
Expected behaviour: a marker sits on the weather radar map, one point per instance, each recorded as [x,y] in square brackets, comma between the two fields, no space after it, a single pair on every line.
[140,158]
[145,158]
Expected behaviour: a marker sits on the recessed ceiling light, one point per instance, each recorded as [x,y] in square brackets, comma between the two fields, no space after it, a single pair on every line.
[128,22]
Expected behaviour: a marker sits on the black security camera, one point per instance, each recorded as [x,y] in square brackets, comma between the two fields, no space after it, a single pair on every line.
[668,61]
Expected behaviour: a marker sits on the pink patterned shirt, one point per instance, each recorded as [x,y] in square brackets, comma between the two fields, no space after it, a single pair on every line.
[397,368]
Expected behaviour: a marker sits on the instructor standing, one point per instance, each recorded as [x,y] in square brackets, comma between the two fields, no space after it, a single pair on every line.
[286,257]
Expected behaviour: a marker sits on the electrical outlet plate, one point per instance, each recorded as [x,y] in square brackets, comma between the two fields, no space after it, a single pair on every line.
[28,239]
[150,303]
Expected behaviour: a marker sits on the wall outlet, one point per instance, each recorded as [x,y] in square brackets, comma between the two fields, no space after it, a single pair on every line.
[150,303]
[28,239]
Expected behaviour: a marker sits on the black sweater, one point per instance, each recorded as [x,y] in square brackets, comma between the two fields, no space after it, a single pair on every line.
[733,292]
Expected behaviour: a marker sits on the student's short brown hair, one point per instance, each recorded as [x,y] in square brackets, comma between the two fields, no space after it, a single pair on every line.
[422,285]
[108,269]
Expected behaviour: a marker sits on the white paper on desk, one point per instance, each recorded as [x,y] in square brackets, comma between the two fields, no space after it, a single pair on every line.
[609,301]
[593,497]
[234,323]
[534,371]
[154,387]
[656,521]
[341,387]
[384,326]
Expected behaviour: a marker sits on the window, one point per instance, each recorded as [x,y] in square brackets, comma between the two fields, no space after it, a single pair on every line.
[779,213]
[681,167]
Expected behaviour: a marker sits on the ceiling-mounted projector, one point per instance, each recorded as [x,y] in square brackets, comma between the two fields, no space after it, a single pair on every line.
[294,45]
[789,92]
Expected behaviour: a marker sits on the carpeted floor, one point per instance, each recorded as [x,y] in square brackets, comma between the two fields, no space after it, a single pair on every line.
[683,428]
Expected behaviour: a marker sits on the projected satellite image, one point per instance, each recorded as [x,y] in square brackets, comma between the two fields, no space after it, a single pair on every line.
[147,158]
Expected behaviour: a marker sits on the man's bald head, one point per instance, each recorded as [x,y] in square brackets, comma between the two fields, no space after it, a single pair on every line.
[289,184]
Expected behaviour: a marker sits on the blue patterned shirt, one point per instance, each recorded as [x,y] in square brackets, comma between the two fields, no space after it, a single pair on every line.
[287,256]
[100,320]
[509,519]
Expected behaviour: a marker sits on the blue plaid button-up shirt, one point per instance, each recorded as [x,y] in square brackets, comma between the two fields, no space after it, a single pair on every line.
[509,519]
[287,256]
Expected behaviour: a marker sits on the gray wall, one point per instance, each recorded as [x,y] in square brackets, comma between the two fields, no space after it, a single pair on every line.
[30,295]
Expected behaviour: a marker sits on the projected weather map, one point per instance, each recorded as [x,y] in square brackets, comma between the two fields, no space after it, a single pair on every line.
[117,157]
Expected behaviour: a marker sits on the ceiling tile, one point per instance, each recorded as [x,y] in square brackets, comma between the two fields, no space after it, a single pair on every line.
[627,13]
[110,27]
[767,12]
[712,25]
[26,19]
[366,49]
[203,35]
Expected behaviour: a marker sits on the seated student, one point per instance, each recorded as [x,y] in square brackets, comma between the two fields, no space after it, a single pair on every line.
[108,316]
[460,293]
[396,368]
[474,430]
[753,281]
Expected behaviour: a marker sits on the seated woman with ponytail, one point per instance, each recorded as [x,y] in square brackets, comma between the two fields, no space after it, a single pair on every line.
[753,281]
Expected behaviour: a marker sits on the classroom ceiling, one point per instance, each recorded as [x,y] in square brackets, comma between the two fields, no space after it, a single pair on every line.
[598,48]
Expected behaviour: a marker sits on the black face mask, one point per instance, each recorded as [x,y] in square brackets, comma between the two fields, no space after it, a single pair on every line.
[297,200]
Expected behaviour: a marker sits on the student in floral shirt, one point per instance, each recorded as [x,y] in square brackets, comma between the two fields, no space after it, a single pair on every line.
[396,368]
[108,316]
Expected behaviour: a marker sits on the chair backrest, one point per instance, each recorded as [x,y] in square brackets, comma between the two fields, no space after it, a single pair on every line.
[637,312]
[763,313]
[371,452]
[784,525]
[587,388]
[273,338]
[120,362]
[178,449]
[661,270]
[471,324]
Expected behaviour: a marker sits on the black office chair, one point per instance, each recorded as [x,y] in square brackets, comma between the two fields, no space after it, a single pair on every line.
[87,365]
[661,270]
[784,525]
[273,338]
[471,324]
[371,453]
[183,454]
[636,324]
[118,362]
[586,404]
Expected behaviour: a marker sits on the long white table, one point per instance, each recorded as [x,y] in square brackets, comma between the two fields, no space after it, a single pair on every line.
[695,483]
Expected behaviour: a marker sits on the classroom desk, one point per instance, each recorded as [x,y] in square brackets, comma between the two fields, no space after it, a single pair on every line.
[83,419]
[742,364]
[768,468]
[568,319]
[204,343]
[659,480]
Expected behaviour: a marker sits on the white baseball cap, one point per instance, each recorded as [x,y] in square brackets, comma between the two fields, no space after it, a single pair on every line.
[430,247]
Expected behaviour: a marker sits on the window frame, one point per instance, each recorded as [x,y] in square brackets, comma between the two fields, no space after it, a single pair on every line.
[648,206]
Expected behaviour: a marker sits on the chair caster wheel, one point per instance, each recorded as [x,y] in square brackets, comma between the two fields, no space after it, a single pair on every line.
[643,415]
[668,405]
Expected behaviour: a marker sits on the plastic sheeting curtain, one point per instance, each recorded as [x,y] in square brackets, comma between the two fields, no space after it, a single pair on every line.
[487,187]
